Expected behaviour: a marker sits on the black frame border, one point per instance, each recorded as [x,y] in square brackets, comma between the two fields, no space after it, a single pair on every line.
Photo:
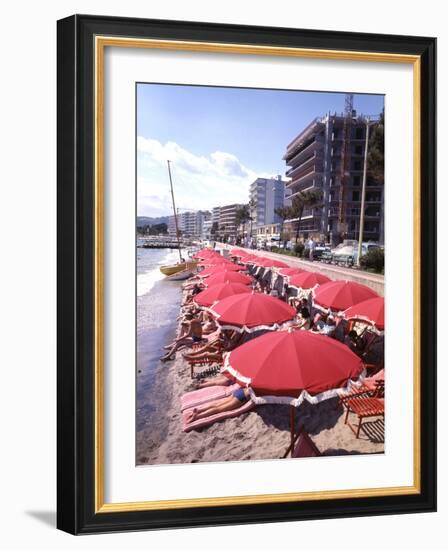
[76,263]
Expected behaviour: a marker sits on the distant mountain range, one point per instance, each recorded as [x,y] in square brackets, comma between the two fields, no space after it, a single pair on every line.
[144,220]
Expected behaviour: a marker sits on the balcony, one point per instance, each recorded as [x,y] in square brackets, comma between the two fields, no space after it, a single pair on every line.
[314,161]
[315,146]
[305,135]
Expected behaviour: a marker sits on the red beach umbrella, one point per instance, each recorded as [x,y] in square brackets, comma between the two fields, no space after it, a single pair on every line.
[267,262]
[308,279]
[340,295]
[252,311]
[369,311]
[290,366]
[205,253]
[219,291]
[287,363]
[213,269]
[215,261]
[250,259]
[290,271]
[259,260]
[228,276]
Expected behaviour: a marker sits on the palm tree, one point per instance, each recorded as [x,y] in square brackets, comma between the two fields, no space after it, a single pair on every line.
[252,207]
[302,200]
[283,212]
[243,215]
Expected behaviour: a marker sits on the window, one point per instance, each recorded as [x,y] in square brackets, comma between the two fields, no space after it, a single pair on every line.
[358,149]
[373,197]
[357,165]
[355,196]
[359,133]
[356,181]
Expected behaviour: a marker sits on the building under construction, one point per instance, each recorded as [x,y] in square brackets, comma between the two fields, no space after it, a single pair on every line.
[328,155]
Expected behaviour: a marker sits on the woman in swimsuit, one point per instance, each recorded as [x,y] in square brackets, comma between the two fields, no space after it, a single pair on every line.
[234,401]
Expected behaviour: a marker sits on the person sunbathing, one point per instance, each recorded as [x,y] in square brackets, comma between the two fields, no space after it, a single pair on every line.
[232,339]
[213,347]
[301,321]
[193,335]
[325,327]
[220,380]
[234,401]
[210,325]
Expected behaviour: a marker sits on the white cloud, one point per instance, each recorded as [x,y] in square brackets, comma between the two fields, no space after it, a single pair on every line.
[201,182]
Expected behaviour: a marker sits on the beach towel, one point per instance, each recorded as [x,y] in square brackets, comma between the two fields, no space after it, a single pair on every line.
[205,395]
[202,422]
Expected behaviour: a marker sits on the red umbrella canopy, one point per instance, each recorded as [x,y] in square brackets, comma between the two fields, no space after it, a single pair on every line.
[250,259]
[308,279]
[228,276]
[290,271]
[219,268]
[252,310]
[219,291]
[215,261]
[266,262]
[285,363]
[370,311]
[205,253]
[340,295]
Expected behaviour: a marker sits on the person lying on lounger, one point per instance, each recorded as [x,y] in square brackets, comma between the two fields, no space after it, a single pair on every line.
[220,380]
[325,327]
[234,401]
[192,335]
[210,325]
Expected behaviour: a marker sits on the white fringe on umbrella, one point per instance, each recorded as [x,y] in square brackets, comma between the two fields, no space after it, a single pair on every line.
[244,328]
[364,319]
[294,401]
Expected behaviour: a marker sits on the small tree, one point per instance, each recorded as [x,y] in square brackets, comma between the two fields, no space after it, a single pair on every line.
[283,212]
[252,207]
[302,200]
[375,156]
[214,230]
[243,215]
[373,260]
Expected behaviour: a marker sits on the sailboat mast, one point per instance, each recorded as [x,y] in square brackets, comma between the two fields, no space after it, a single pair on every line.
[174,210]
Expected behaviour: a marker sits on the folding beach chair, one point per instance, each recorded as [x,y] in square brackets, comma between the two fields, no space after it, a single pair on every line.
[213,365]
[364,404]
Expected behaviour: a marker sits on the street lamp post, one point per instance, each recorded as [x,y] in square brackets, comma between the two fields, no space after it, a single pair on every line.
[363,195]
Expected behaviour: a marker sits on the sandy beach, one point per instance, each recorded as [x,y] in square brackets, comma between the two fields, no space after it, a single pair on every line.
[263,433]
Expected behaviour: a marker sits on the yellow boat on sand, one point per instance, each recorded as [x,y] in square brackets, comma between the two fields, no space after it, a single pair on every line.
[172,269]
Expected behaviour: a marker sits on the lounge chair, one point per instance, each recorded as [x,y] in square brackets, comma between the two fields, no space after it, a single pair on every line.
[212,361]
[365,404]
[303,446]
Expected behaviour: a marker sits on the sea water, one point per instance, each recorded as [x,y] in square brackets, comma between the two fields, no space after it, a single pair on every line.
[158,306]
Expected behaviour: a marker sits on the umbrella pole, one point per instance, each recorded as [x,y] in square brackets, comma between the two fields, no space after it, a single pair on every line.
[292,422]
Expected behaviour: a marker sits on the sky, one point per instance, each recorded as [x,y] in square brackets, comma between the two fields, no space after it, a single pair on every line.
[219,140]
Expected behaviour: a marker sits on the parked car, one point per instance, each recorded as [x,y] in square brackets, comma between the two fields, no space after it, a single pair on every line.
[319,249]
[346,253]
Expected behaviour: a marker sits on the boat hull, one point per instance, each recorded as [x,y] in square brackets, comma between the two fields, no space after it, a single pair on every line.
[172,269]
[180,275]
